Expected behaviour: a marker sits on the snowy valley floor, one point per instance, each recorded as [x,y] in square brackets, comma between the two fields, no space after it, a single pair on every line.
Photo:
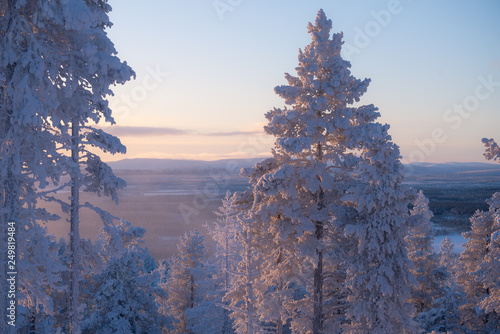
[169,203]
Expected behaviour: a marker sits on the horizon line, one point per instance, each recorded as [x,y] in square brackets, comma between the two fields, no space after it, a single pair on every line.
[265,157]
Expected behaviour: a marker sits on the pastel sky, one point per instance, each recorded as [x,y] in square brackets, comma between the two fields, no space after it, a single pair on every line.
[206,72]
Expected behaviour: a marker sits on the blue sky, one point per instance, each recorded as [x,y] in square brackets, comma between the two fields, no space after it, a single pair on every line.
[206,70]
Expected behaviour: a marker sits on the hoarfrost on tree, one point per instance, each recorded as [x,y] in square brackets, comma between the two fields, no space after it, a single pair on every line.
[479,269]
[429,275]
[187,271]
[334,170]
[56,68]
[125,300]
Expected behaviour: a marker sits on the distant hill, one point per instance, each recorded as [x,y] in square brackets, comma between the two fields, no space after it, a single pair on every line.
[464,171]
[182,165]
[450,167]
[453,171]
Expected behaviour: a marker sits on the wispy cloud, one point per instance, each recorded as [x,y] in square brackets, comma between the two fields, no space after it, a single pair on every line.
[147,131]
[199,156]
[232,133]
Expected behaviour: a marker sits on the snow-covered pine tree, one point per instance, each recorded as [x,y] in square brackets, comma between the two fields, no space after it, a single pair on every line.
[488,266]
[224,261]
[124,302]
[474,275]
[444,316]
[56,65]
[41,270]
[186,273]
[126,290]
[333,166]
[489,270]
[90,67]
[163,271]
[208,315]
[295,190]
[280,285]
[32,49]
[243,294]
[448,259]
[430,276]
[492,149]
[379,277]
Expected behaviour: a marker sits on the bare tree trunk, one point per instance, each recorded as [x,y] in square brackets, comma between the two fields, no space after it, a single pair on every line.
[318,271]
[74,270]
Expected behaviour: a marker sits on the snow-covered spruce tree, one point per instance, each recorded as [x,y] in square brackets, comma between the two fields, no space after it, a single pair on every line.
[492,149]
[489,272]
[224,305]
[488,266]
[448,259]
[280,285]
[454,295]
[163,271]
[333,167]
[186,272]
[479,262]
[207,316]
[41,276]
[430,276]
[125,298]
[210,316]
[244,291]
[444,317]
[474,275]
[124,302]
[119,236]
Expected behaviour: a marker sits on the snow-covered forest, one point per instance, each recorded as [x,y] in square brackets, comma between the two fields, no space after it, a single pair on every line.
[326,238]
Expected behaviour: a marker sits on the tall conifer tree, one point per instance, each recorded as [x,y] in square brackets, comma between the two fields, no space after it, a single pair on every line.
[334,167]
[430,276]
[56,68]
